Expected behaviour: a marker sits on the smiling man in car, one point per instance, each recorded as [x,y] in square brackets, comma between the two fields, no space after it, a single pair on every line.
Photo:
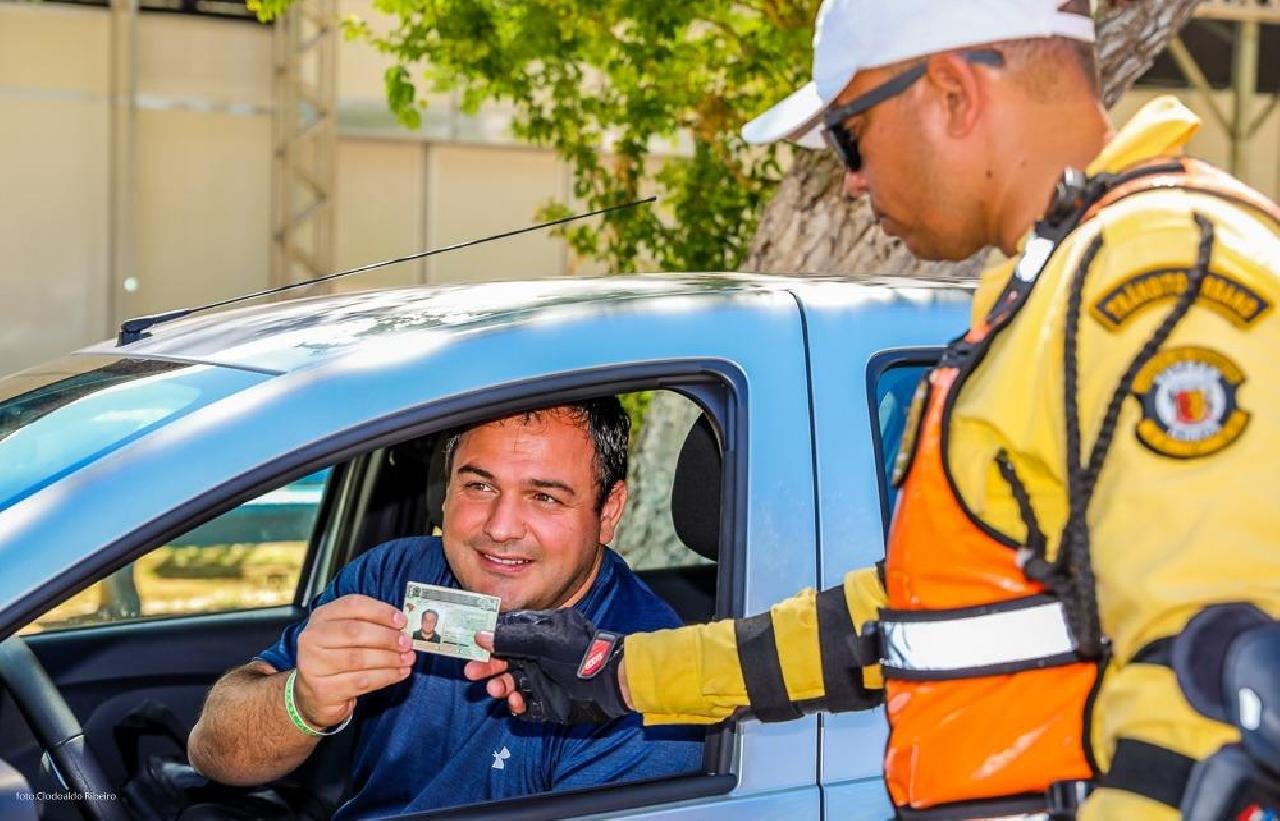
[532,501]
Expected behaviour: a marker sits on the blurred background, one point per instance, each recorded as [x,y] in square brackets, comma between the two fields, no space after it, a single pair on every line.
[179,151]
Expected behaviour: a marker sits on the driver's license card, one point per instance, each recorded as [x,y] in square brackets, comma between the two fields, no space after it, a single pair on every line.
[444,620]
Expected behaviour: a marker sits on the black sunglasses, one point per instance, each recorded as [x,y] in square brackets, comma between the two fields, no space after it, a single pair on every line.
[841,139]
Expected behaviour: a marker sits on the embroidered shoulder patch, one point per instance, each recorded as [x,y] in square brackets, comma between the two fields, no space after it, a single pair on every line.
[1236,302]
[1189,402]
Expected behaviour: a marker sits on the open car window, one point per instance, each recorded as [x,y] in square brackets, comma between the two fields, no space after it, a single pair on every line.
[398,491]
[648,538]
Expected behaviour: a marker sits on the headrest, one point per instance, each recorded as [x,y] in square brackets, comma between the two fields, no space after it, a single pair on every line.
[695,493]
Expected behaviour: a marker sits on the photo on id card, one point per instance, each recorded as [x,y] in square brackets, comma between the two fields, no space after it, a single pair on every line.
[444,620]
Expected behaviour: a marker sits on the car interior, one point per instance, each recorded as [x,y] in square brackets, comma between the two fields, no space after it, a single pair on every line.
[108,705]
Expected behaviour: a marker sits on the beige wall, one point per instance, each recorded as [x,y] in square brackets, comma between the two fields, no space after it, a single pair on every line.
[500,189]
[396,197]
[380,210]
[1211,143]
[202,162]
[53,181]
[202,174]
[201,189]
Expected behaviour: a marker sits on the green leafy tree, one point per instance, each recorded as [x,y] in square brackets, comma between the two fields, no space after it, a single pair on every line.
[637,96]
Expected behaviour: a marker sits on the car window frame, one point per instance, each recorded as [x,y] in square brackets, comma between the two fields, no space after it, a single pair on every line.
[718,386]
[877,366]
[723,404]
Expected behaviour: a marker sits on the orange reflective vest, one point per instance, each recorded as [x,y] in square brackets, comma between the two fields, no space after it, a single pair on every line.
[986,692]
[960,732]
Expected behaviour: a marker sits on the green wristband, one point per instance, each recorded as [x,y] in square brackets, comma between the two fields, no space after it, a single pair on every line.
[291,707]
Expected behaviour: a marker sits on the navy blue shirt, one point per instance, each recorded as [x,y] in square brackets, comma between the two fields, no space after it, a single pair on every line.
[436,739]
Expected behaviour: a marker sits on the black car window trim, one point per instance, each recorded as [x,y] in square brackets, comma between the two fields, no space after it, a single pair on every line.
[880,364]
[690,377]
[345,500]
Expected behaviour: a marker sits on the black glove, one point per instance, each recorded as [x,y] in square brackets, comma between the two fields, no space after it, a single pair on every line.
[565,668]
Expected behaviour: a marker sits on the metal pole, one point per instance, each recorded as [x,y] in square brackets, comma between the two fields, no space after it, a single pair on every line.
[119,594]
[121,115]
[1195,77]
[304,136]
[1244,79]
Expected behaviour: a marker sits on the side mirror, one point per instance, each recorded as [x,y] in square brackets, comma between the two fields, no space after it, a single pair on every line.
[17,801]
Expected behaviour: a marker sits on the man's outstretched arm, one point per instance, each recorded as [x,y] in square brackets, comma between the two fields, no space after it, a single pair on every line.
[244,736]
[796,656]
[349,647]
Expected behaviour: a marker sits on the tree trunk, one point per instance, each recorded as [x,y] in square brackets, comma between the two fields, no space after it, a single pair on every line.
[810,226]
[120,596]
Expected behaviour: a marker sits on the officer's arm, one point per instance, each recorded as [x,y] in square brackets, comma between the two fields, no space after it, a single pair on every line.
[798,656]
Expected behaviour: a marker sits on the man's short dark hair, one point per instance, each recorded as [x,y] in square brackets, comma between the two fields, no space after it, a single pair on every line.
[607,425]
[432,612]
[1036,60]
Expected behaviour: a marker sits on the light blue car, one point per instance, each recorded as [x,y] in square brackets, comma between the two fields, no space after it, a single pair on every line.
[232,462]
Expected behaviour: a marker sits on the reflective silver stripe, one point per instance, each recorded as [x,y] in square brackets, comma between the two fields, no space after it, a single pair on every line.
[953,643]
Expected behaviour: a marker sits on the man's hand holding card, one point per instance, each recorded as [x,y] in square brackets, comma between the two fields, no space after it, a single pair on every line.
[351,646]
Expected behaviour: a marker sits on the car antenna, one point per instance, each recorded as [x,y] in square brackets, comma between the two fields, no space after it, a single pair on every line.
[131,330]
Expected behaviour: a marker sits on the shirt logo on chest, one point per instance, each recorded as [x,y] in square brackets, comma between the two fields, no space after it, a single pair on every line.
[500,758]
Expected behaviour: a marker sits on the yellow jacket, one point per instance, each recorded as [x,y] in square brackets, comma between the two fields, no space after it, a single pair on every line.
[1184,514]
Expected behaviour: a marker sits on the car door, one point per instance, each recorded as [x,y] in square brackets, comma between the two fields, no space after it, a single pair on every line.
[858,340]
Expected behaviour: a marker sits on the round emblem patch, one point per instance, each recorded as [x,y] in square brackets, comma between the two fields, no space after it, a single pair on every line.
[1189,402]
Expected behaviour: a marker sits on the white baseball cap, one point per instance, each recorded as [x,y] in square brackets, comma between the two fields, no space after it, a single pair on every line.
[855,34]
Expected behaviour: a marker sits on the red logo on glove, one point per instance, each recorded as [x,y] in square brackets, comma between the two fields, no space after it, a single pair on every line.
[1256,812]
[597,655]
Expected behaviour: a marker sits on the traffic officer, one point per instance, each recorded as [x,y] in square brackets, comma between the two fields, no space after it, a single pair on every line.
[1086,516]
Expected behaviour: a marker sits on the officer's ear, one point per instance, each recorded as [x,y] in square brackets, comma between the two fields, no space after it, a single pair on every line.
[957,93]
[611,511]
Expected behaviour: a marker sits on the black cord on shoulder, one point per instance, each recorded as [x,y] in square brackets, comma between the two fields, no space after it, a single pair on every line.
[1031,556]
[1074,579]
[1195,278]
[1073,572]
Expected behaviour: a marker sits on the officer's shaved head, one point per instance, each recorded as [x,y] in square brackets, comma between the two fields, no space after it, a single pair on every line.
[1037,63]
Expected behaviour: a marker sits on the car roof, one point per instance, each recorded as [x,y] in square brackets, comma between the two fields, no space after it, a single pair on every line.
[285,336]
